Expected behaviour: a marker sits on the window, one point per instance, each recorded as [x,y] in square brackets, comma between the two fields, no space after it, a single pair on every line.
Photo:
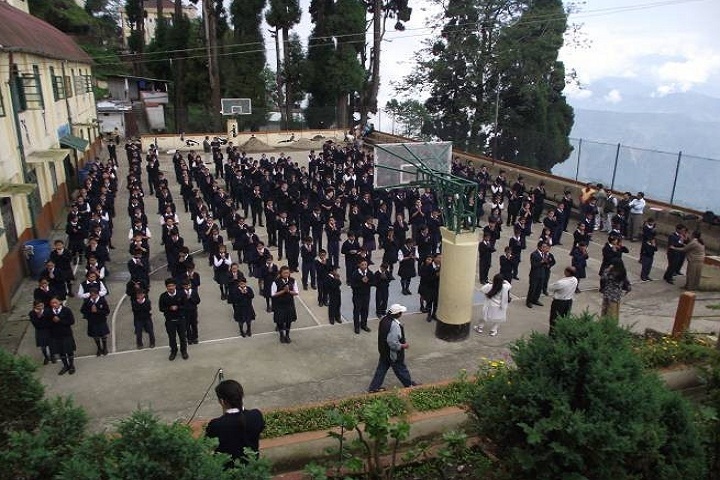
[79,81]
[28,88]
[58,85]
[88,83]
[8,220]
[53,176]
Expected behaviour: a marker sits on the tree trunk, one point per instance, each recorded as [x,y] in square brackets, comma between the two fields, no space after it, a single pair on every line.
[213,70]
[279,80]
[371,91]
[341,113]
[288,85]
[179,65]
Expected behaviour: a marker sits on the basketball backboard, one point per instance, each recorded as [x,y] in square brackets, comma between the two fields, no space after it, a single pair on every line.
[401,163]
[235,106]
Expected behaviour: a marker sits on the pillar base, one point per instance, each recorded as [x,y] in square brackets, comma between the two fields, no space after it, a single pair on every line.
[452,332]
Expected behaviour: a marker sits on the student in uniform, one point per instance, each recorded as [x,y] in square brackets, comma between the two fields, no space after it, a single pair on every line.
[407,255]
[43,293]
[308,253]
[38,318]
[292,247]
[172,304]
[266,275]
[332,288]
[221,267]
[383,277]
[579,262]
[142,318]
[238,428]
[361,280]
[62,258]
[647,255]
[95,310]
[283,291]
[190,311]
[322,268]
[62,342]
[240,296]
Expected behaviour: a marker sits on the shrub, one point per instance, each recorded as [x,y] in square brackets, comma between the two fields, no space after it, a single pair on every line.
[20,395]
[666,351]
[581,405]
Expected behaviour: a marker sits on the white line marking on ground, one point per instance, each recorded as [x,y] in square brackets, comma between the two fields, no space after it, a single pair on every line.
[312,315]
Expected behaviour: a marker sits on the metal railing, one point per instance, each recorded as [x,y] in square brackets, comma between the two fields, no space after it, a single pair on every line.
[673,177]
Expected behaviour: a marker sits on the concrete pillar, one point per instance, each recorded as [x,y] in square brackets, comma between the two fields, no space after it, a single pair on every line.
[232,130]
[457,285]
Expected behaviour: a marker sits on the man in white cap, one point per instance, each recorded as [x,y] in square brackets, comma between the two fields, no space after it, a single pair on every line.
[392,346]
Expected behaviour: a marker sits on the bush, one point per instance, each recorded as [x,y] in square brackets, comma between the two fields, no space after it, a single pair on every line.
[20,395]
[582,405]
[666,351]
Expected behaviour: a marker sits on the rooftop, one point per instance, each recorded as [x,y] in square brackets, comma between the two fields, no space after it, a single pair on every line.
[21,32]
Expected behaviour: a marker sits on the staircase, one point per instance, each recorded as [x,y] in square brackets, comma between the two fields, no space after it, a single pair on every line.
[138,112]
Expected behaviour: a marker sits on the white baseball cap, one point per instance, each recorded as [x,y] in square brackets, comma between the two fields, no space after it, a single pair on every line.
[396,308]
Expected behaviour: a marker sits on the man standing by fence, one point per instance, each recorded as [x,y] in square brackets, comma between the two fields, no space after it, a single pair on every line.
[637,209]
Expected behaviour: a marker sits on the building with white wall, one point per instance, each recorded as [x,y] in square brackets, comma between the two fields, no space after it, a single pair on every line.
[152,16]
[48,122]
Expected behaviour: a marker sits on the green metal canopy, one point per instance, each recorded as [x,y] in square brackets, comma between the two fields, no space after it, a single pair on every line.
[72,141]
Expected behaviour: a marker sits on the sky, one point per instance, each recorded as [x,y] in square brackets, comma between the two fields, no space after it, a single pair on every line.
[670,45]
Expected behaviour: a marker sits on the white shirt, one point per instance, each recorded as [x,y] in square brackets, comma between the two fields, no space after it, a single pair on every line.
[564,289]
[637,206]
[274,289]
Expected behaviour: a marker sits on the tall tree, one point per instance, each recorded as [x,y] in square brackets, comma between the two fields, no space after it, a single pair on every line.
[490,71]
[136,43]
[247,59]
[536,118]
[282,16]
[335,71]
[293,73]
[381,11]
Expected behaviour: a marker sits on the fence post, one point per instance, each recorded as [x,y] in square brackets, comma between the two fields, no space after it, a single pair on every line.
[577,167]
[683,314]
[677,171]
[617,156]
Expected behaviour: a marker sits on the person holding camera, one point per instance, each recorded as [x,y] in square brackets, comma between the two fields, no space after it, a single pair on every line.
[237,428]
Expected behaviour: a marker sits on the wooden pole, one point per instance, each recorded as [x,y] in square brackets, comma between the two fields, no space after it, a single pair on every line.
[683,315]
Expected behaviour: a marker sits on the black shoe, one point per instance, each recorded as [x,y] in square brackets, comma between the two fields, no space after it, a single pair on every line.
[429,318]
[282,338]
[357,330]
[670,281]
[287,339]
[268,310]
[304,287]
[53,359]
[516,278]
[313,287]
[366,328]
[185,355]
[242,334]
[63,370]
[104,351]
[152,344]
[46,361]
[139,346]
[71,370]
[528,305]
[538,304]
[377,390]
[99,352]
[546,293]
[415,384]
[332,322]
[172,356]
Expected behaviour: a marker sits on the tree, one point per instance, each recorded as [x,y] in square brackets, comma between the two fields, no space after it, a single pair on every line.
[494,82]
[536,119]
[412,114]
[380,11]
[245,77]
[581,405]
[136,18]
[293,73]
[334,69]
[20,395]
[282,16]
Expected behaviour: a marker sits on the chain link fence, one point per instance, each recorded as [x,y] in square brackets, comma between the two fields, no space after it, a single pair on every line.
[673,177]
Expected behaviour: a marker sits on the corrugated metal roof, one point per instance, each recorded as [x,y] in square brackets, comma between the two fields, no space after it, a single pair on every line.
[21,32]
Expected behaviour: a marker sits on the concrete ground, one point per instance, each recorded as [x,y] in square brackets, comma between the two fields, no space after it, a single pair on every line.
[323,362]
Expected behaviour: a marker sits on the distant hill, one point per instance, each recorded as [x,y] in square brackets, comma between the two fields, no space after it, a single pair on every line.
[628,112]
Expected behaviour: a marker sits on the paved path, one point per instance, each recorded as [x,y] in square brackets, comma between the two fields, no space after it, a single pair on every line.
[323,362]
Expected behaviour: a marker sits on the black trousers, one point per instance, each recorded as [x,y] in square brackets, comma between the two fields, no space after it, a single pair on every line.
[484,272]
[381,299]
[534,290]
[361,305]
[308,268]
[646,263]
[191,321]
[174,329]
[558,308]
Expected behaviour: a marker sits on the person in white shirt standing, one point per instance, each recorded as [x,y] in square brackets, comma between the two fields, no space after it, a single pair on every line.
[563,292]
[637,209]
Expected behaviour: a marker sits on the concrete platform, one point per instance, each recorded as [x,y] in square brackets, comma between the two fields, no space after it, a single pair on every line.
[324,361]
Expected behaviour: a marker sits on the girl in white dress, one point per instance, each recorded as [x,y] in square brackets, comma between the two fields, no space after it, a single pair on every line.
[497,297]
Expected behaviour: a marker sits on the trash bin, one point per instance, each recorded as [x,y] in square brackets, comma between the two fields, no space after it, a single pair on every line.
[36,254]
